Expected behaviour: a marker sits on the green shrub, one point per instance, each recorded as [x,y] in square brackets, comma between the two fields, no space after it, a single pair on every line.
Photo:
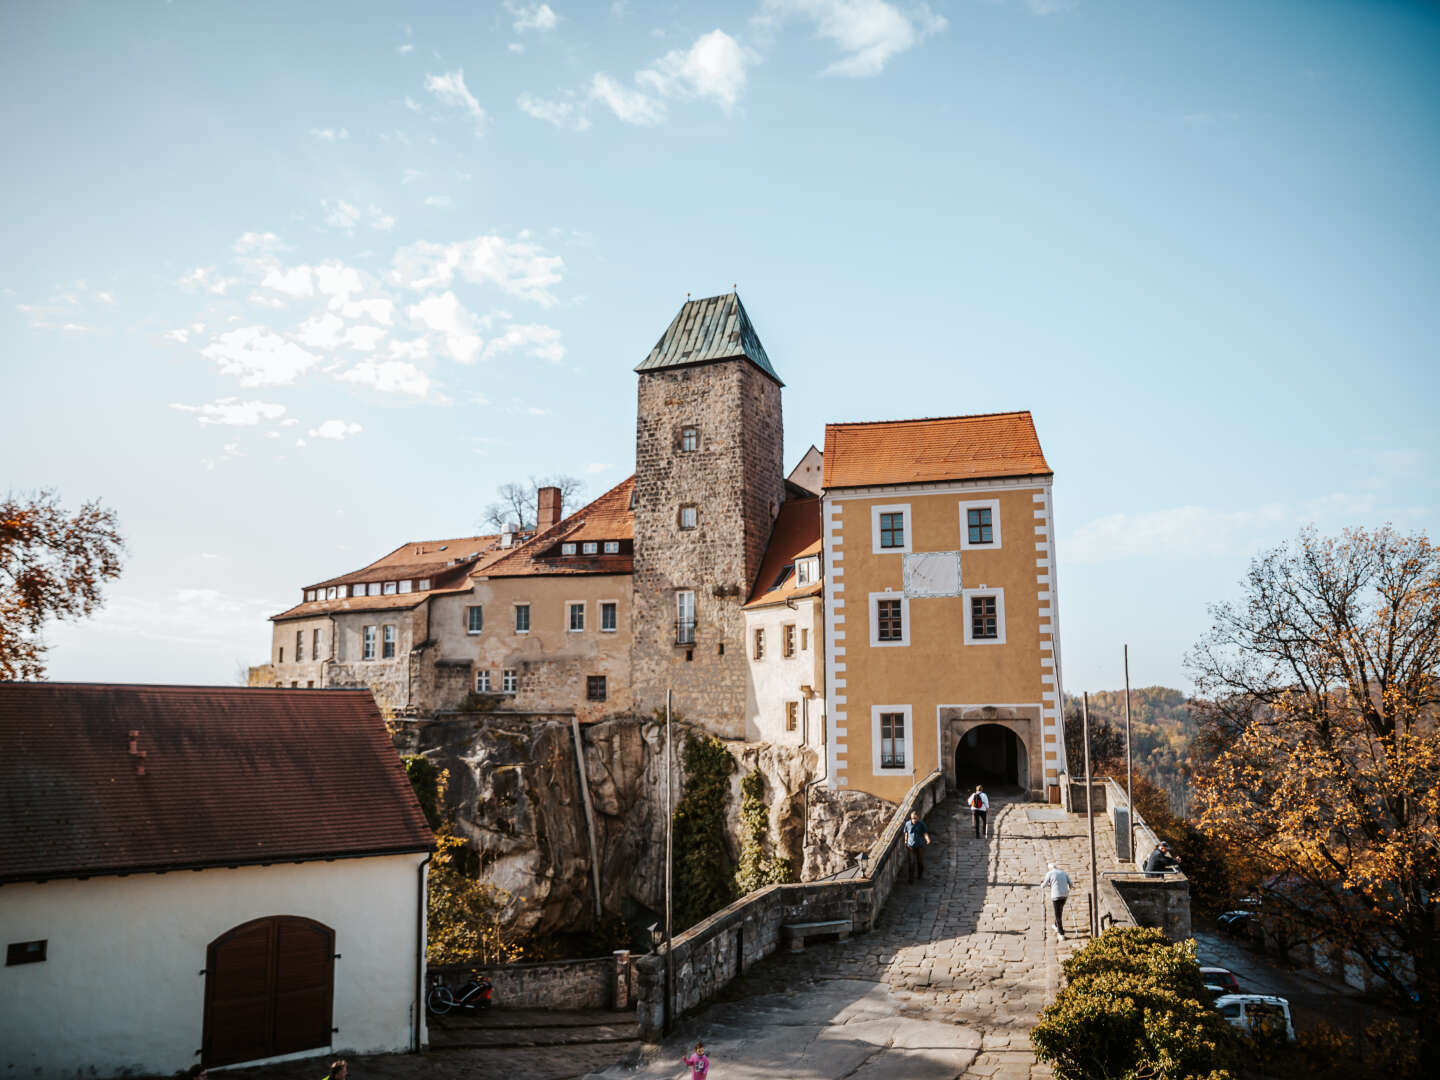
[759,866]
[429,781]
[703,881]
[1132,1007]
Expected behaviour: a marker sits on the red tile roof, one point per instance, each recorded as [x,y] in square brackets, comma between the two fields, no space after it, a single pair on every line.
[796,535]
[943,448]
[607,518]
[232,776]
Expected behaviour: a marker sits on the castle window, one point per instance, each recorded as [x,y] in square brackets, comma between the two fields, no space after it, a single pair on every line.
[577,617]
[759,643]
[980,524]
[792,716]
[310,595]
[330,593]
[787,640]
[688,516]
[509,681]
[387,642]
[609,617]
[299,645]
[890,527]
[522,618]
[315,645]
[405,586]
[389,588]
[612,547]
[423,584]
[689,440]
[282,655]
[482,681]
[567,549]
[595,688]
[889,619]
[804,638]
[806,571]
[890,726]
[25,952]
[590,548]
[684,617]
[373,589]
[367,650]
[984,616]
[474,619]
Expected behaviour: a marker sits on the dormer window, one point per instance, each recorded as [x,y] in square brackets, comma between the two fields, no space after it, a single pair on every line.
[373,589]
[423,584]
[689,440]
[590,547]
[310,595]
[405,586]
[807,571]
[389,588]
[357,590]
[330,593]
[612,547]
[567,549]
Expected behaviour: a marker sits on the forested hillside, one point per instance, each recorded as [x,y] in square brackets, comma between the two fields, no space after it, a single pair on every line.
[1161,729]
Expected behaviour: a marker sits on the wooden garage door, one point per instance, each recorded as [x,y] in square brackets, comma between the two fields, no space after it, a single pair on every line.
[268,989]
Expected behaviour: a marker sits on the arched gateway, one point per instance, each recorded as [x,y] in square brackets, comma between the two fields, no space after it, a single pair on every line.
[993,745]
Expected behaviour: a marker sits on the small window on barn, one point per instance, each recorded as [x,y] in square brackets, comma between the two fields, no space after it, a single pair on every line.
[612,547]
[25,952]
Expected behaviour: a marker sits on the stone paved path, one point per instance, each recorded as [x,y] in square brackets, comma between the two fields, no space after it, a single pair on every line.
[948,984]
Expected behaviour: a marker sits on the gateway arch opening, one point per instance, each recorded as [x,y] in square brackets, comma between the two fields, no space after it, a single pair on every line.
[991,755]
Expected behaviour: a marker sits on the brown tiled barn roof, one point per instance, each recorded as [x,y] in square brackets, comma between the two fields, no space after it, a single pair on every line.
[944,448]
[231,776]
[796,535]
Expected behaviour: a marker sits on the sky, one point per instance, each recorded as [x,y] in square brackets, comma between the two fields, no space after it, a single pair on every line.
[287,286]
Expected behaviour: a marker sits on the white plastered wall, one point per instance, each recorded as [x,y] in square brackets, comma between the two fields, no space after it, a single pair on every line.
[121,989]
[776,678]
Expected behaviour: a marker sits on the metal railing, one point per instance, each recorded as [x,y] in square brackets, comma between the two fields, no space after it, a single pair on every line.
[684,631]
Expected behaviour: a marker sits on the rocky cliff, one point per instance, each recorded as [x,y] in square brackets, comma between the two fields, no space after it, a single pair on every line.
[514,792]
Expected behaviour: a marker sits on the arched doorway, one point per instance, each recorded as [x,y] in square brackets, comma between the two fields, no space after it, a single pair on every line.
[269,989]
[991,755]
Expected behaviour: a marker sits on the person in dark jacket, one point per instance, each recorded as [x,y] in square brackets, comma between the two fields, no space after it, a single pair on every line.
[1161,860]
[916,837]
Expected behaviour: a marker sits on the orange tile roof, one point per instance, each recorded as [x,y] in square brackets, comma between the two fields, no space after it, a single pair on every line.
[796,535]
[932,449]
[607,518]
[416,559]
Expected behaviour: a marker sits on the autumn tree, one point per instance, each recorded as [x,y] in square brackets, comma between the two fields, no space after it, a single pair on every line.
[1319,748]
[1107,742]
[518,504]
[52,565]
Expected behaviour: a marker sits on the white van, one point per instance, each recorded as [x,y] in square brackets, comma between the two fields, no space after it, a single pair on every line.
[1257,1013]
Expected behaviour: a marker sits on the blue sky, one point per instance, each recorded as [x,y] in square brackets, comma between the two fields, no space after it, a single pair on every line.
[287,285]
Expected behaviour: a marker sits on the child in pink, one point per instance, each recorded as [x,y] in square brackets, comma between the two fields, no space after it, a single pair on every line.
[698,1062]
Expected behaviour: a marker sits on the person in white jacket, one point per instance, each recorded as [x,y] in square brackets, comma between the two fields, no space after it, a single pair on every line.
[979,809]
[1059,882]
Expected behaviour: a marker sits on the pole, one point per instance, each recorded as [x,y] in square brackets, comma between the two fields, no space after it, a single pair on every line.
[669,864]
[1090,818]
[1129,792]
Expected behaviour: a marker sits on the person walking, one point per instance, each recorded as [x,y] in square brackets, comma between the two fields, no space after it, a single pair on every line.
[1059,884]
[916,837]
[979,809]
[699,1062]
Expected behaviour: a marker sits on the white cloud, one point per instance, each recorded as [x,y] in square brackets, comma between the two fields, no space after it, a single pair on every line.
[340,214]
[379,220]
[515,47]
[440,202]
[518,267]
[563,114]
[631,106]
[204,277]
[406,48]
[378,310]
[105,298]
[713,67]
[322,331]
[450,89]
[364,338]
[297,281]
[339,282]
[870,32]
[180,336]
[273,302]
[532,16]
[389,377]
[411,104]
[598,468]
[251,242]
[457,326]
[232,412]
[258,356]
[409,176]
[542,342]
[335,429]
[330,134]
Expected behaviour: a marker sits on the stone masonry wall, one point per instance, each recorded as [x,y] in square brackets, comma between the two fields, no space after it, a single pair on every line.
[736,482]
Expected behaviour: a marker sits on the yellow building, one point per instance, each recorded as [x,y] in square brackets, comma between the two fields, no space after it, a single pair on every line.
[942,647]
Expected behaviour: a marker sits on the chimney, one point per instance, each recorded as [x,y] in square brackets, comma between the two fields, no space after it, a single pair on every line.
[548,514]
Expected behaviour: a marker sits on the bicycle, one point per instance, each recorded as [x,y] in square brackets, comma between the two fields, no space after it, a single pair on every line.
[475,994]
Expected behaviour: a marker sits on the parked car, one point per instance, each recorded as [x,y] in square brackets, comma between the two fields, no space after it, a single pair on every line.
[1236,923]
[1259,1014]
[1222,977]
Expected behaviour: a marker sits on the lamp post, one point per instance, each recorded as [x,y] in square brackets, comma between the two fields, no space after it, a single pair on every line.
[1090,818]
[669,866]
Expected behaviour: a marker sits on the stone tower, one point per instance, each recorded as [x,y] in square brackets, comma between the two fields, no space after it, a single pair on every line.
[708,484]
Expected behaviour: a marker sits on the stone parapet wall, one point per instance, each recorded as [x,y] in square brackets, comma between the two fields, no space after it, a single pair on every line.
[1147,900]
[710,954]
[594,983]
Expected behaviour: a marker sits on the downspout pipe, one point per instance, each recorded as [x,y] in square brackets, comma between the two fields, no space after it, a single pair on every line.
[421,903]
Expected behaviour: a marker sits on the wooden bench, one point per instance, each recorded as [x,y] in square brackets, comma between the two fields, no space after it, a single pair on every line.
[798,932]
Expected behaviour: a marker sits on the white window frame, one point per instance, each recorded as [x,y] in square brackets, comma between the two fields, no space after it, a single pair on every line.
[694,516]
[892,508]
[567,549]
[792,715]
[614,605]
[315,644]
[517,618]
[310,595]
[482,681]
[875,598]
[590,547]
[373,589]
[999,594]
[389,589]
[612,547]
[387,630]
[570,606]
[331,593]
[406,585]
[789,640]
[300,646]
[369,638]
[909,768]
[509,681]
[694,441]
[807,571]
[357,590]
[470,627]
[423,584]
[685,598]
[993,505]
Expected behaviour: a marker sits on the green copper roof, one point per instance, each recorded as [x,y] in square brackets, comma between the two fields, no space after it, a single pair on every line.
[715,328]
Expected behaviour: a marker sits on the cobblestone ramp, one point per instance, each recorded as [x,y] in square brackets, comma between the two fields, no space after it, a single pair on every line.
[948,984]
